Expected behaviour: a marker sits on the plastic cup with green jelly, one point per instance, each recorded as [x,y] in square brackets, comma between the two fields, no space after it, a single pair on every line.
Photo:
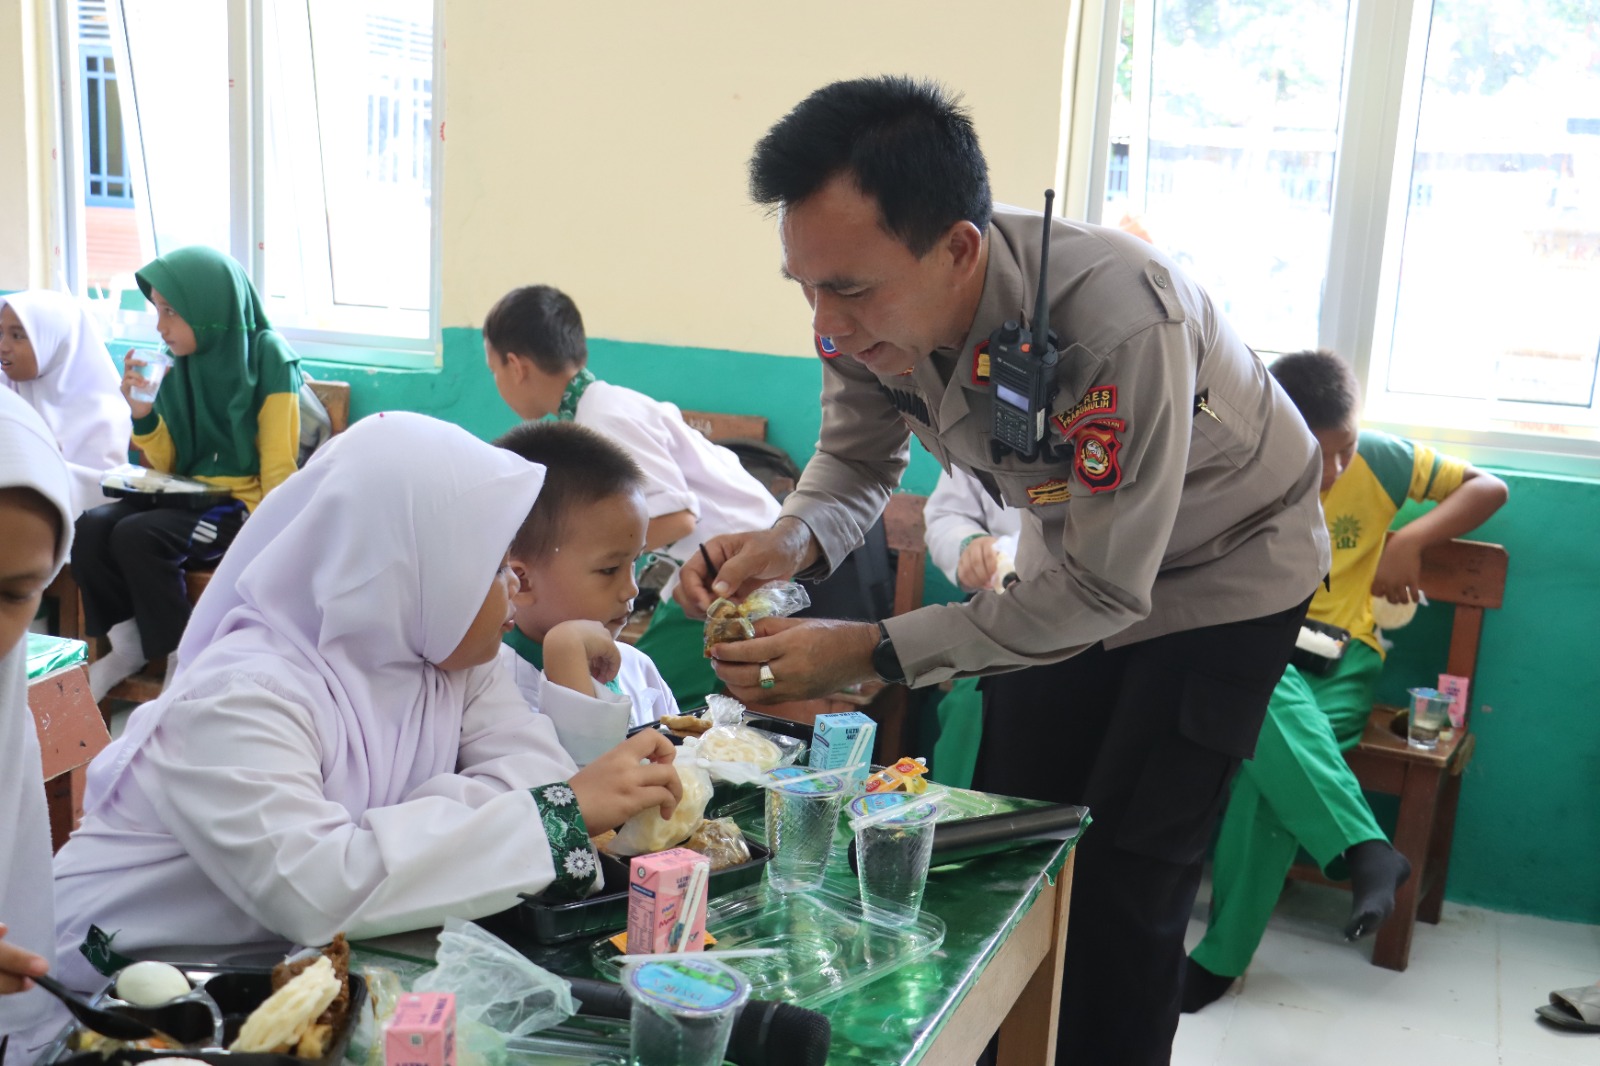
[892,856]
[683,1011]
[802,815]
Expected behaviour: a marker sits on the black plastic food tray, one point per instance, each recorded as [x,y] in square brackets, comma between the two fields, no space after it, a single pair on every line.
[237,992]
[558,923]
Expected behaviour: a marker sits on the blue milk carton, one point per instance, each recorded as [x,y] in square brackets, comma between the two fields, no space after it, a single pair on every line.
[842,739]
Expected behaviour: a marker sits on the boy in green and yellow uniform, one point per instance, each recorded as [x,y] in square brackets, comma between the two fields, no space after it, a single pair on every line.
[1297,791]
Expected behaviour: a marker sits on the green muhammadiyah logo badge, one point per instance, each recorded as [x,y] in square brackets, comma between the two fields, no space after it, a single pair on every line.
[1345,531]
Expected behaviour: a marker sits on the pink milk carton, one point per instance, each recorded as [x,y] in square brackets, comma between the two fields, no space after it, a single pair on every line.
[666,892]
[422,1031]
[1456,688]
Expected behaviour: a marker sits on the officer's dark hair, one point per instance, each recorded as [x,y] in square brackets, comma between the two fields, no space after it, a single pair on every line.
[580,467]
[905,142]
[1321,385]
[541,323]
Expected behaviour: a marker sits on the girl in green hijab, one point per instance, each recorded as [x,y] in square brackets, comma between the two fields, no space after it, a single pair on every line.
[227,413]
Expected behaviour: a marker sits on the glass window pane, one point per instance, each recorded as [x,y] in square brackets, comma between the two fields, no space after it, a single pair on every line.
[1500,262]
[1224,128]
[179,54]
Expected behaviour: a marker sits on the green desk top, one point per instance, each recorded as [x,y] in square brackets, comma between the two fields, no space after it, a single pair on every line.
[900,1015]
[48,654]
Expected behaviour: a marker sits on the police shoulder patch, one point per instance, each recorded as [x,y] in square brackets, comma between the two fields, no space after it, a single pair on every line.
[1099,400]
[1095,457]
[1056,490]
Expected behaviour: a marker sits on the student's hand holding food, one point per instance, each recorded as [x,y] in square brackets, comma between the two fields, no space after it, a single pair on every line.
[636,774]
[132,378]
[975,569]
[578,650]
[18,965]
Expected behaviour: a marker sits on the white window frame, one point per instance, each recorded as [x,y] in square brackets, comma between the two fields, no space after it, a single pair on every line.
[1384,65]
[247,167]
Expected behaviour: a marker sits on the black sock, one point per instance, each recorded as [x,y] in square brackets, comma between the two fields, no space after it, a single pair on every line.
[1202,987]
[1376,872]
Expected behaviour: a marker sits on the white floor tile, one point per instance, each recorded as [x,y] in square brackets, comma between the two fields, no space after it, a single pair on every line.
[1466,999]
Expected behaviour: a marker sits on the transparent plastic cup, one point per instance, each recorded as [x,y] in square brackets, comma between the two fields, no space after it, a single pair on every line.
[153,366]
[892,857]
[1430,716]
[802,817]
[683,1011]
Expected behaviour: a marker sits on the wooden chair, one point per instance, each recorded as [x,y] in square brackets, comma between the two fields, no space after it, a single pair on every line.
[146,684]
[71,733]
[1472,576]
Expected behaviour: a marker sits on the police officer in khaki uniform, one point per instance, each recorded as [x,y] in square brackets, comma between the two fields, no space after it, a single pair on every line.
[1171,537]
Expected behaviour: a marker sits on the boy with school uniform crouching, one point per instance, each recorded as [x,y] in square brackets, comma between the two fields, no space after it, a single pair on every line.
[535,345]
[573,561]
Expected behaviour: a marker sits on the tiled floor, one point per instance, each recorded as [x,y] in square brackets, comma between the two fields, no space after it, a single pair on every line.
[1466,1000]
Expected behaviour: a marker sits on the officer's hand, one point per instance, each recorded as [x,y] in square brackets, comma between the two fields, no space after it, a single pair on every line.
[975,570]
[807,657]
[742,563]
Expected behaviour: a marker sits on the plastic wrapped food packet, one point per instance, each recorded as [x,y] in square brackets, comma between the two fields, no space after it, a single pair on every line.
[721,841]
[647,831]
[736,753]
[727,621]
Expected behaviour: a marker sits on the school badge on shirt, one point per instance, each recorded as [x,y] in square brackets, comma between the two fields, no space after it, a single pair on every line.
[1095,454]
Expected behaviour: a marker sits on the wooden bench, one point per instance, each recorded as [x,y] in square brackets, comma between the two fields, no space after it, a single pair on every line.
[1471,576]
[146,684]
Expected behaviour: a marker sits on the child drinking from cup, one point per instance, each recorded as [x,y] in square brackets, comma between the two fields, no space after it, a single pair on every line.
[339,749]
[52,356]
[226,413]
[35,533]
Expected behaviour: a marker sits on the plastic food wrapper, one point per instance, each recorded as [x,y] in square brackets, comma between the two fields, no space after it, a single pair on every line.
[647,831]
[494,984]
[366,1037]
[721,841]
[727,621]
[736,753]
[904,776]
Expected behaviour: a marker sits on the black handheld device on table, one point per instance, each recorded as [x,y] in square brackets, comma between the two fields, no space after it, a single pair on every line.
[1022,368]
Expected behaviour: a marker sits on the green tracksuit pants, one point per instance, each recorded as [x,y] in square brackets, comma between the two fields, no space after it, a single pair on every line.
[1296,792]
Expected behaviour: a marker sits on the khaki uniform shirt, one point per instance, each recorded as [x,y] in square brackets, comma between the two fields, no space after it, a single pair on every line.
[1185,488]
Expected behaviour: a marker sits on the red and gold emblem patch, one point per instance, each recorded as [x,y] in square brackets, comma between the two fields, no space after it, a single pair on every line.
[1095,455]
[980,363]
[825,346]
[1100,400]
[1056,490]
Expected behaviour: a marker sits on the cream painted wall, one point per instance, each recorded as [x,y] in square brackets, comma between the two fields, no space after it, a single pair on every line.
[22,222]
[602,147]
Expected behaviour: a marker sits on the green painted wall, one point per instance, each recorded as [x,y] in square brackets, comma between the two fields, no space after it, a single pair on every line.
[1528,835]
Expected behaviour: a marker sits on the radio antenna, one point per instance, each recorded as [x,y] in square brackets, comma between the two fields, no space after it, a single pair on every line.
[1041,312]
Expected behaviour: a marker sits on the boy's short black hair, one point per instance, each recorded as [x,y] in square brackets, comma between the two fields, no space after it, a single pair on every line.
[905,142]
[538,322]
[580,467]
[1321,385]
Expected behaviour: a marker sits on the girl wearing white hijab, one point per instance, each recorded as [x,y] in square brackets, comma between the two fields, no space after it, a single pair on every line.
[339,750]
[52,356]
[35,533]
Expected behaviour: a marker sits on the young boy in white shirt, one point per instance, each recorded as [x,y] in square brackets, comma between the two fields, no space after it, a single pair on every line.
[573,560]
[534,342]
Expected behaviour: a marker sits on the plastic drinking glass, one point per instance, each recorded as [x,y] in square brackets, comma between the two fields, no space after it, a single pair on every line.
[892,857]
[683,1011]
[1430,715]
[153,366]
[802,817]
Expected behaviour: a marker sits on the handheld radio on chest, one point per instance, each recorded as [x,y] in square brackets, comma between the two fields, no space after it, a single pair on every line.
[1022,368]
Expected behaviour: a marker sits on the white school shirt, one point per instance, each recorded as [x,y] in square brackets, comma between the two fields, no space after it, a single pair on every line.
[220,832]
[591,725]
[960,508]
[686,472]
